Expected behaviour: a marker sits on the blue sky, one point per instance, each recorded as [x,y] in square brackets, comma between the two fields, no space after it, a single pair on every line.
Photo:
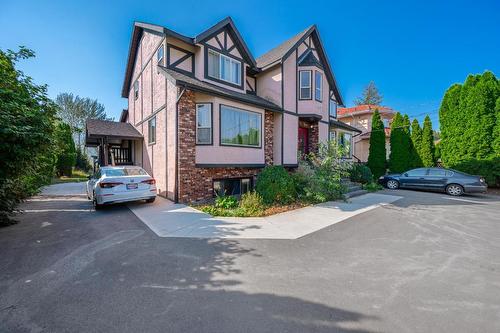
[412,50]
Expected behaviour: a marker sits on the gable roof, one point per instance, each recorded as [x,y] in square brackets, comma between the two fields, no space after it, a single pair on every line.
[140,27]
[235,35]
[102,128]
[202,86]
[280,53]
[276,54]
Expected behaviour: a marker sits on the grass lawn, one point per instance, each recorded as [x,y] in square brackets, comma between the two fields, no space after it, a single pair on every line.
[77,176]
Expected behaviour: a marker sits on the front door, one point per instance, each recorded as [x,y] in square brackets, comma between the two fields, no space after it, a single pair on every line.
[303,140]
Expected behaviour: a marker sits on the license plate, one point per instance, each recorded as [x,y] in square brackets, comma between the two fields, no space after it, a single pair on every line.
[131,186]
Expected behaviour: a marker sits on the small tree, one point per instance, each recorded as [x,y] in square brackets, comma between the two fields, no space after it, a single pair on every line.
[416,143]
[370,95]
[377,153]
[66,152]
[427,147]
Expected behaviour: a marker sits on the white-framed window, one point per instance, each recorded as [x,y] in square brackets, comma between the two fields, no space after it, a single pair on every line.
[240,127]
[332,108]
[159,54]
[136,89]
[318,86]
[152,130]
[204,124]
[345,140]
[224,68]
[332,134]
[305,84]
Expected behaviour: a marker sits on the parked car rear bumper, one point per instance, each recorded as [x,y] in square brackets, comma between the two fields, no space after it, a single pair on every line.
[126,197]
[475,188]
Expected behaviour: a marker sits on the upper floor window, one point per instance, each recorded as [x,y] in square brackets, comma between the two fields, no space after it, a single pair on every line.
[318,83]
[204,124]
[332,108]
[152,130]
[240,127]
[159,54]
[305,84]
[224,68]
[387,123]
[136,89]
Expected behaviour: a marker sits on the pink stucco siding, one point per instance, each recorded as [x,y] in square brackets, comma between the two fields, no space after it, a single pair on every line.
[269,85]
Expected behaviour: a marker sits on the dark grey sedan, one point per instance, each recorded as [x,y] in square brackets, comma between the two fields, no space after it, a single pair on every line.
[436,179]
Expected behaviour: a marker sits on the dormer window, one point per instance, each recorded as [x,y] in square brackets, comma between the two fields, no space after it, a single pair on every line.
[224,68]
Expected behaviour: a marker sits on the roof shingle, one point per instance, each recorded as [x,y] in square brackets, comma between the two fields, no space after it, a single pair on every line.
[98,128]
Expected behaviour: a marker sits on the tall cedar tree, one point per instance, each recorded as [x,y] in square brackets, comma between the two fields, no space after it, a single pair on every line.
[377,153]
[427,147]
[469,120]
[370,95]
[496,130]
[399,159]
[416,143]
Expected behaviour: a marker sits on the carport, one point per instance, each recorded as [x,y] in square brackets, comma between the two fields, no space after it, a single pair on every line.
[117,143]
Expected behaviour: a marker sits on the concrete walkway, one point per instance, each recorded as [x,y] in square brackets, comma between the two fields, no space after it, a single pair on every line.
[168,219]
[64,189]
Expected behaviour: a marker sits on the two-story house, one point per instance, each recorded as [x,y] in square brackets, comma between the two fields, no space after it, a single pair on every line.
[360,116]
[204,116]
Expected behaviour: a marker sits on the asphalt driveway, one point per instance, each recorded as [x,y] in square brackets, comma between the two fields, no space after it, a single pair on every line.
[425,263]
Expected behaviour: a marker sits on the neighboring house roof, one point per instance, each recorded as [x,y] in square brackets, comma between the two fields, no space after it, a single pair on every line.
[340,124]
[105,128]
[282,51]
[139,27]
[201,86]
[363,109]
[367,135]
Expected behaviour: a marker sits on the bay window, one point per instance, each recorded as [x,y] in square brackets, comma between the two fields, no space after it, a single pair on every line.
[305,84]
[223,68]
[204,124]
[240,127]
[318,82]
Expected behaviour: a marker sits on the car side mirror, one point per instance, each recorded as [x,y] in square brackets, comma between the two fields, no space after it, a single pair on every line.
[405,174]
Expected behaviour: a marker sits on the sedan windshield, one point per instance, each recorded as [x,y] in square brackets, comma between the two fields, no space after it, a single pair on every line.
[124,172]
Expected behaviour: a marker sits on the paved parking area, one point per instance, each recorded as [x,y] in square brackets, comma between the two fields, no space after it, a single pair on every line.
[425,263]
[167,219]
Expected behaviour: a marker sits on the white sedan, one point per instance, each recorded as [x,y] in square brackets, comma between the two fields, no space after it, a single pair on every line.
[120,184]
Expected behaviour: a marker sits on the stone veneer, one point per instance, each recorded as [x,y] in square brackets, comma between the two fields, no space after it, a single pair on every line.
[196,184]
[313,137]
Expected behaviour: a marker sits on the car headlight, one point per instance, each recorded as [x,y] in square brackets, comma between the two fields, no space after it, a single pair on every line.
[381,177]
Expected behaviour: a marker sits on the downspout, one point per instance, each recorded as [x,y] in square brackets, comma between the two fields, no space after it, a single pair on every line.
[176,190]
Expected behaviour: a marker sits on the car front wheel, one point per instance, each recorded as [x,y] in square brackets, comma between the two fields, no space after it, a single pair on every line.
[454,189]
[392,184]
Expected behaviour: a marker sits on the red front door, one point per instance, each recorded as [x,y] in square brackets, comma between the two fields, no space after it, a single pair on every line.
[303,140]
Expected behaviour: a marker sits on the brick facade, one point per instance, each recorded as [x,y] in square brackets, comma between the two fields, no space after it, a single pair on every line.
[196,184]
[313,137]
[268,137]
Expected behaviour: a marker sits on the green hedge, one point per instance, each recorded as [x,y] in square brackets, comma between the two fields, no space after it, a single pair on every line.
[275,185]
[361,173]
[488,168]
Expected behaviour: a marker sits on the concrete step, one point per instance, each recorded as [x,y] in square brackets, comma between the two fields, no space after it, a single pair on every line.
[352,188]
[355,193]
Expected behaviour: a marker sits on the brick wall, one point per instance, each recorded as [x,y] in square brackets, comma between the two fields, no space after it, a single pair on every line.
[268,137]
[313,137]
[196,184]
